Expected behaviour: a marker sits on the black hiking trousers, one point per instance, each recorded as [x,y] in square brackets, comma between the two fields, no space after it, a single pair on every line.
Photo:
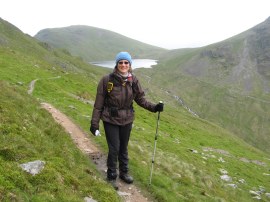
[117,139]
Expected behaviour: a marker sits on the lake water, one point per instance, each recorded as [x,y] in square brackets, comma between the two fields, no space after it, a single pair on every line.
[136,63]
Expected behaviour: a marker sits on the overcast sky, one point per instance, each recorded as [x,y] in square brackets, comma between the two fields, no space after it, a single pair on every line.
[169,24]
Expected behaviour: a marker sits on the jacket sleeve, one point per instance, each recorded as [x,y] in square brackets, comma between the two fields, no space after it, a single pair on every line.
[99,103]
[140,97]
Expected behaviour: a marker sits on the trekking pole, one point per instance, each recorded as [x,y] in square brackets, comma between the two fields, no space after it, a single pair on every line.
[154,152]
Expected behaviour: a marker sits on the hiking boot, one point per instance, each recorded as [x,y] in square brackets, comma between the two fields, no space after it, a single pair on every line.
[126,178]
[113,183]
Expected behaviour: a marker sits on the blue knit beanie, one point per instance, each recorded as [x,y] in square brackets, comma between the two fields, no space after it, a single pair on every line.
[123,56]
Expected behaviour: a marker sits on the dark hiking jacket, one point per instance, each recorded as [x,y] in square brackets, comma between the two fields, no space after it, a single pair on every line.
[115,107]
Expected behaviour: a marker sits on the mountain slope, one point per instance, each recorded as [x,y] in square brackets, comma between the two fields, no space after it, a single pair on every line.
[227,82]
[192,155]
[94,44]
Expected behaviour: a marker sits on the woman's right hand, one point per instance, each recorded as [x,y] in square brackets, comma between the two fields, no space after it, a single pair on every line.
[94,131]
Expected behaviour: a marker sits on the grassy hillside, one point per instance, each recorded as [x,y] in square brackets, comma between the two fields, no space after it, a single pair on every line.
[29,133]
[192,153]
[95,44]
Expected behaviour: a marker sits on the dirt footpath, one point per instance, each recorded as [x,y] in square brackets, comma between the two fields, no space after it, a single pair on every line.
[130,193]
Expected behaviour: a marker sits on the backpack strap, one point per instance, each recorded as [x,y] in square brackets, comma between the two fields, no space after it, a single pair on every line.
[113,81]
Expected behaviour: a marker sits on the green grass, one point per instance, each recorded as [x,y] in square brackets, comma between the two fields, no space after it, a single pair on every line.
[28,133]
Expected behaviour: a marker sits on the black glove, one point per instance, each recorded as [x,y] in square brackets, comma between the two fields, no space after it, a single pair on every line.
[159,107]
[93,130]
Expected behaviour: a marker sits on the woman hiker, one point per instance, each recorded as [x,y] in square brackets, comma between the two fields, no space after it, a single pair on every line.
[113,105]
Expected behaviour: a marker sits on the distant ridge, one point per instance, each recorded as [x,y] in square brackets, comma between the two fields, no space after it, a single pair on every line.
[94,44]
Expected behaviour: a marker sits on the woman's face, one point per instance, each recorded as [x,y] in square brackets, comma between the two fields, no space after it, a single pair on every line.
[123,66]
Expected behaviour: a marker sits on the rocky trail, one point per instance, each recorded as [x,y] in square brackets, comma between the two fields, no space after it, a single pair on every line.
[129,193]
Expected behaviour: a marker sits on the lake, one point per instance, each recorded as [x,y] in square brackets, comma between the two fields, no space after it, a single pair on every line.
[136,63]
